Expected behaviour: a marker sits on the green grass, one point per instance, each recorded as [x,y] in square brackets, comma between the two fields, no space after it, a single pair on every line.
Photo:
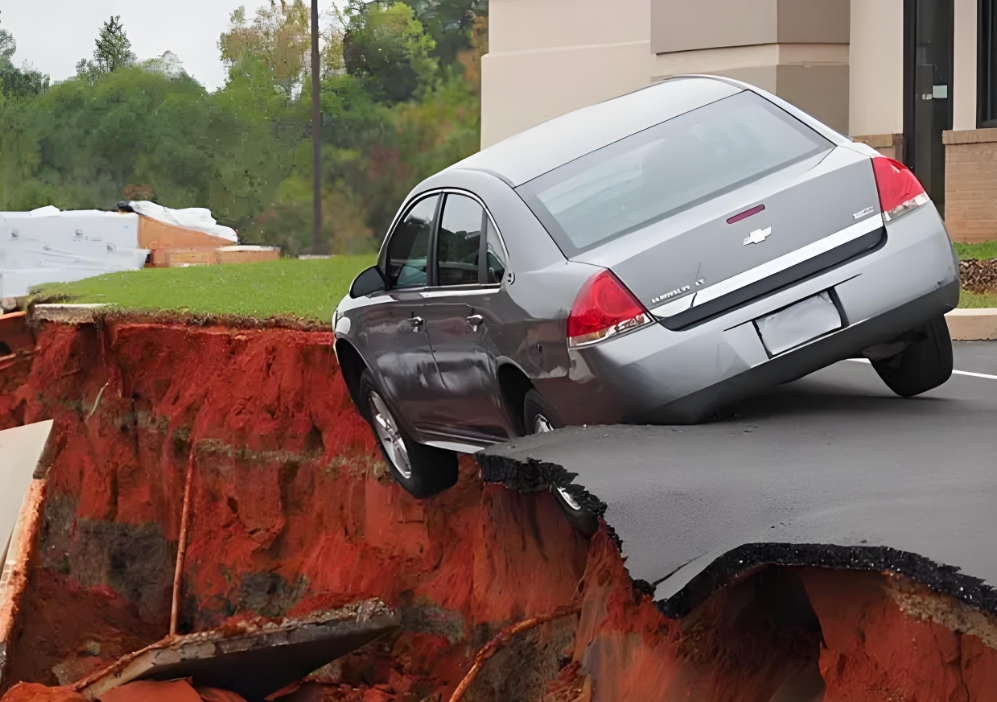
[308,289]
[983,250]
[974,301]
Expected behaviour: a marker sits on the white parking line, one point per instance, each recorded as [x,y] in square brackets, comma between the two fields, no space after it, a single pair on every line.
[955,372]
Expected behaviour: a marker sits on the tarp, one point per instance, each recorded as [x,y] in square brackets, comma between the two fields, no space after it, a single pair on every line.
[196,218]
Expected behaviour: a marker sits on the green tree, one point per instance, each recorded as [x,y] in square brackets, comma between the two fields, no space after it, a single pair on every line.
[279,36]
[17,82]
[384,45]
[113,51]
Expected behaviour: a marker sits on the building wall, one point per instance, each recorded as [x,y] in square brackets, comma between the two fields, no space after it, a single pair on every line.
[549,57]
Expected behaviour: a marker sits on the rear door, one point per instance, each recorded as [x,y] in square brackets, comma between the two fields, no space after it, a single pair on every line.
[729,193]
[468,278]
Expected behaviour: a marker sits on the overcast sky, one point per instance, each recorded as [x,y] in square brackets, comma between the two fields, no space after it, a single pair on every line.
[54,34]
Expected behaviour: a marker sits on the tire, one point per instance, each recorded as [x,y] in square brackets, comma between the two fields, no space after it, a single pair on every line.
[922,366]
[423,471]
[540,417]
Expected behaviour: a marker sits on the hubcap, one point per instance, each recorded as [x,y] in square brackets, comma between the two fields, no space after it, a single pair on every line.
[389,435]
[542,425]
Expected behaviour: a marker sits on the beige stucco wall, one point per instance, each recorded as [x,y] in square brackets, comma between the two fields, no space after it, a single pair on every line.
[549,57]
[964,69]
[876,56]
[840,59]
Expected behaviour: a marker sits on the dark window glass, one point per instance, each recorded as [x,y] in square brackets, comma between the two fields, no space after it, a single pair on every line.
[988,64]
[458,246]
[408,250]
[495,257]
[672,166]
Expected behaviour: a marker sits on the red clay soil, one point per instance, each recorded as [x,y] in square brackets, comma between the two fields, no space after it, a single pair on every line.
[292,512]
[16,350]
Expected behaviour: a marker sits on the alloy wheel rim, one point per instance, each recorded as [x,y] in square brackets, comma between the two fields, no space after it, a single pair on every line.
[542,425]
[390,436]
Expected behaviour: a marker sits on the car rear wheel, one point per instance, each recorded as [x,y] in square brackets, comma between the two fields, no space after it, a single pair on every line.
[922,366]
[423,471]
[540,417]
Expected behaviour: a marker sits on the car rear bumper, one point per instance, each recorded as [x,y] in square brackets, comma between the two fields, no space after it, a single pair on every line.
[657,375]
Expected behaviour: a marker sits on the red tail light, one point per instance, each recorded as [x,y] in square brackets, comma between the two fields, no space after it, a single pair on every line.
[604,308]
[899,189]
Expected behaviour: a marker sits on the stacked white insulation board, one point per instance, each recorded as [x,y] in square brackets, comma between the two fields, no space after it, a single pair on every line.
[51,246]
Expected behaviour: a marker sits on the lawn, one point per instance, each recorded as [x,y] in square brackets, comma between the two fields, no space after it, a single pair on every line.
[308,289]
[982,251]
[972,300]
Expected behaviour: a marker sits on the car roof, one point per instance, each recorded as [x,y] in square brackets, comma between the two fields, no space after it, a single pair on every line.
[529,154]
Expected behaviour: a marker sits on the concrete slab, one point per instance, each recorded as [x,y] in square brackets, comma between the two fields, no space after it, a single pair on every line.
[829,471]
[68,314]
[20,450]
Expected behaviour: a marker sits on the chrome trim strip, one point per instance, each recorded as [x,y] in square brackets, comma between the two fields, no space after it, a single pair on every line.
[459,292]
[770,268]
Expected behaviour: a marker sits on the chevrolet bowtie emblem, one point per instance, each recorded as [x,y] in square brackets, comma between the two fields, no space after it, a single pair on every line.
[758,236]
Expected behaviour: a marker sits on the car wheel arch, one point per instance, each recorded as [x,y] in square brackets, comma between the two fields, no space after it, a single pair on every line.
[514,384]
[351,366]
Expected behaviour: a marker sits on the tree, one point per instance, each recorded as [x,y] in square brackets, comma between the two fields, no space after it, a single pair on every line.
[113,51]
[279,36]
[384,45]
[7,47]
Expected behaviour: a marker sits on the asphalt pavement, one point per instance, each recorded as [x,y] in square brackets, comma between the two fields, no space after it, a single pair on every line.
[832,470]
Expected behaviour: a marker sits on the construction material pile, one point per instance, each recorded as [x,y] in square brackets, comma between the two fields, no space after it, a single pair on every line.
[51,246]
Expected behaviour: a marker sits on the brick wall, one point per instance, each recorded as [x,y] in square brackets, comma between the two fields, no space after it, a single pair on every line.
[971,184]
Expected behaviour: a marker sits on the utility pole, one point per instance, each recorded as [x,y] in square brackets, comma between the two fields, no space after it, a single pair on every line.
[316,135]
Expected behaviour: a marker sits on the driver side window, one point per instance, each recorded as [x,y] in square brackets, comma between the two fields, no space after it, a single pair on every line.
[408,251]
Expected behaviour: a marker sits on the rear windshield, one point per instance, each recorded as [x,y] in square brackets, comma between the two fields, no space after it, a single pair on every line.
[672,166]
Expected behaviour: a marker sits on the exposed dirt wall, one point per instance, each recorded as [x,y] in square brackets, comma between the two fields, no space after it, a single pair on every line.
[292,512]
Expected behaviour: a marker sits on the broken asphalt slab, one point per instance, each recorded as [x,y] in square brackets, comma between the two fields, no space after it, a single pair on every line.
[830,471]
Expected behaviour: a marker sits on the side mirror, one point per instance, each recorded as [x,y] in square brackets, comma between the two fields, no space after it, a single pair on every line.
[368,282]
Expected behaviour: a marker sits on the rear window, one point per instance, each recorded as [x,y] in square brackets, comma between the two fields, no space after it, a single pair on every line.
[672,166]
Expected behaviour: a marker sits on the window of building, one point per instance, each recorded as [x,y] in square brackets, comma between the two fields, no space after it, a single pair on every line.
[988,64]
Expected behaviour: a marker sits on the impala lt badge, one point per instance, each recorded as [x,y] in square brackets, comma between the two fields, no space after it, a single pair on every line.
[758,236]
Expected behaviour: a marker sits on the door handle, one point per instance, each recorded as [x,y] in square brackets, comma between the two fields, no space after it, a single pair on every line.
[417,323]
[475,321]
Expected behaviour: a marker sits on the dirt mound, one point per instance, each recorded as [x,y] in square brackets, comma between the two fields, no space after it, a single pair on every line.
[292,512]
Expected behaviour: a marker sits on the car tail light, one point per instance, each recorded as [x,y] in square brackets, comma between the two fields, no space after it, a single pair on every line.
[604,308]
[899,189]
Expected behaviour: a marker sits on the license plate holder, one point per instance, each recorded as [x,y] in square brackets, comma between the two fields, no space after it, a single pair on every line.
[799,323]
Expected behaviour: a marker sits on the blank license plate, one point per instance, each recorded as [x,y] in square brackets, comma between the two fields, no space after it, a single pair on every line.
[798,324]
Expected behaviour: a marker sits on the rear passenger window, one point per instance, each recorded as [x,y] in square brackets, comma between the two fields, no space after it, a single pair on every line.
[408,250]
[458,247]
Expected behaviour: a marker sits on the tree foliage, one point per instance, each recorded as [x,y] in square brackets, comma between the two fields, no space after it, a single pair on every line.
[395,110]
[113,51]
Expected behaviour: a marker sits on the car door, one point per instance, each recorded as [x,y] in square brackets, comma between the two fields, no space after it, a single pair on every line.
[468,274]
[394,331]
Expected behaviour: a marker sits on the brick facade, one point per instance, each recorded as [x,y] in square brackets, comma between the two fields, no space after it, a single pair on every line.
[971,184]
[887,144]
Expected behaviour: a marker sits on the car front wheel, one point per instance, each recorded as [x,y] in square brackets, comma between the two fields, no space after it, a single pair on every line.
[422,470]
[541,418]
[925,364]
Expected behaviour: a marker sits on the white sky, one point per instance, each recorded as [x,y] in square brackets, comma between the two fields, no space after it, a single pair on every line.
[54,34]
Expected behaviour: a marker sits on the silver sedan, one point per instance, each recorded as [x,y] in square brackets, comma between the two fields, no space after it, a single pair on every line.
[651,259]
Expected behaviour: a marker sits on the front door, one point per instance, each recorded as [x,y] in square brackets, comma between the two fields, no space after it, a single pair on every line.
[394,328]
[928,91]
[460,323]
